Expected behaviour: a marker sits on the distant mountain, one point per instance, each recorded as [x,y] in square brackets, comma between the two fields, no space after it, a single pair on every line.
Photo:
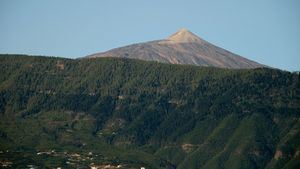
[183,47]
[128,113]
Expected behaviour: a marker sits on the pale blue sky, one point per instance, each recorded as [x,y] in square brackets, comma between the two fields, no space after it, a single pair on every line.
[267,31]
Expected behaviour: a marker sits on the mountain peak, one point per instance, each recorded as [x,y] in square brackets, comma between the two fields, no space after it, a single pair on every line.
[184,36]
[183,47]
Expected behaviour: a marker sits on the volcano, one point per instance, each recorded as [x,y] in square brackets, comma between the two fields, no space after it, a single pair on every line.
[183,47]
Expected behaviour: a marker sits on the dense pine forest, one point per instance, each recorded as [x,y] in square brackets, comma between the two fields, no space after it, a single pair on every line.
[78,113]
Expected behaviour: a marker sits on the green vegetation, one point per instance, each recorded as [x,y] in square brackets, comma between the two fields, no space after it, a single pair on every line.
[136,113]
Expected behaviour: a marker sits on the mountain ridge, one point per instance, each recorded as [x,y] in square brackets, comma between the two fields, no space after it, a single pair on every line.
[137,114]
[182,47]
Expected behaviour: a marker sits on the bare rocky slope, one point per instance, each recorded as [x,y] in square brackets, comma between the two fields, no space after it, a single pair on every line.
[183,47]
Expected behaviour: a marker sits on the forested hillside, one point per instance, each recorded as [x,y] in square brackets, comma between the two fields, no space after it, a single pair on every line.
[112,111]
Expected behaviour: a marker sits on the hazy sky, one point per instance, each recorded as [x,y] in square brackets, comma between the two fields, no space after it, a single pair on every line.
[266,31]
